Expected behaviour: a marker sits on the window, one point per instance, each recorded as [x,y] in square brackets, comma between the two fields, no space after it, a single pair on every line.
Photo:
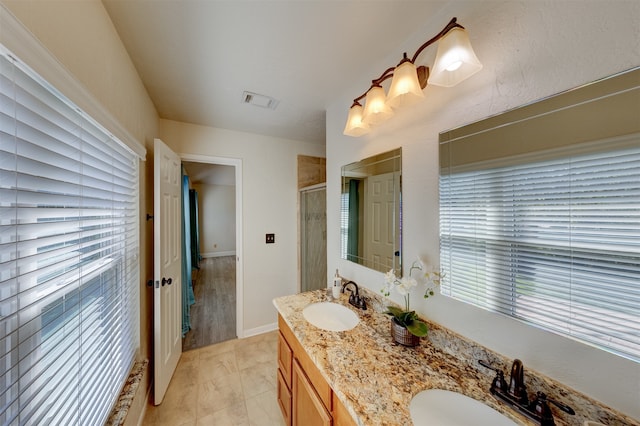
[69,271]
[550,236]
[344,224]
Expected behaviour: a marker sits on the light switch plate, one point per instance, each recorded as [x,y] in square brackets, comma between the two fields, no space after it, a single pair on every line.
[271,238]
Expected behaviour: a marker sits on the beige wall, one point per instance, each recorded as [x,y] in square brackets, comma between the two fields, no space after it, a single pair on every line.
[80,35]
[530,50]
[269,199]
[217,214]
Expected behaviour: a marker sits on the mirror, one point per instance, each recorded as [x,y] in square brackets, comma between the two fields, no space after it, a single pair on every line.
[370,220]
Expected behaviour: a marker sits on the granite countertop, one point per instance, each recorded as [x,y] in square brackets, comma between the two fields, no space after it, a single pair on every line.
[376,378]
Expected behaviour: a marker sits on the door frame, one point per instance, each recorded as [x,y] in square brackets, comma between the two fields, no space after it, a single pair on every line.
[237,164]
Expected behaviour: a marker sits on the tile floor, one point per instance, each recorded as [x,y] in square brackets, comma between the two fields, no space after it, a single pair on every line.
[230,383]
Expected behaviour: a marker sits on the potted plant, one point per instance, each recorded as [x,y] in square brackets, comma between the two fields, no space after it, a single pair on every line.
[406,326]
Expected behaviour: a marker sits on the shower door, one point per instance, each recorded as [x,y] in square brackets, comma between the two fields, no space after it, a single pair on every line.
[313,238]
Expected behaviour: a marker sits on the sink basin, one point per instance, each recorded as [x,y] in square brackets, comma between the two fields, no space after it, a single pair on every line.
[330,316]
[442,407]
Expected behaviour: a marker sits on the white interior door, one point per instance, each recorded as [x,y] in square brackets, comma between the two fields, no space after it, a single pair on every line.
[380,242]
[167,266]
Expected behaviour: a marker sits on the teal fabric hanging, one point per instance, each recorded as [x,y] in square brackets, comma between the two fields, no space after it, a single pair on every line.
[354,211]
[195,232]
[188,298]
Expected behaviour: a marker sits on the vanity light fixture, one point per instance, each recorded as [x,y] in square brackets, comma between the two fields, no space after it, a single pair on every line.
[455,61]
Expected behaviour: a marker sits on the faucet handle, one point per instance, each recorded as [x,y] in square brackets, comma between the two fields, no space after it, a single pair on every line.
[353,299]
[362,302]
[563,407]
[358,301]
[541,409]
[499,383]
[484,363]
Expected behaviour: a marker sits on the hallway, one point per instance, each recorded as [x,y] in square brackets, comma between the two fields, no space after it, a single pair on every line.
[213,316]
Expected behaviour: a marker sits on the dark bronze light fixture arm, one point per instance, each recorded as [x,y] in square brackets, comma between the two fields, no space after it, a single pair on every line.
[451,25]
[385,75]
[423,72]
[454,62]
[388,73]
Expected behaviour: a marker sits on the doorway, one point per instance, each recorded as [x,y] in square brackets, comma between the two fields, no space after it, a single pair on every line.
[217,314]
[313,238]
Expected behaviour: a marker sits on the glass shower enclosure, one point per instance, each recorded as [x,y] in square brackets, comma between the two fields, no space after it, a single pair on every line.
[313,238]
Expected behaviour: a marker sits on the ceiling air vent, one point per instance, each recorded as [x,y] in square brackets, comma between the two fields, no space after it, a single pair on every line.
[258,100]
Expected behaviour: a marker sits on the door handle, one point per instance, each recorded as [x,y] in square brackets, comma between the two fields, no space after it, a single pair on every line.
[166,281]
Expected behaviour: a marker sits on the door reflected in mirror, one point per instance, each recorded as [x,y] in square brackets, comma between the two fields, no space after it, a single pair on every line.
[370,220]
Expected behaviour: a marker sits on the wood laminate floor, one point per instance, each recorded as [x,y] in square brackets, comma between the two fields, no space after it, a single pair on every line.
[213,316]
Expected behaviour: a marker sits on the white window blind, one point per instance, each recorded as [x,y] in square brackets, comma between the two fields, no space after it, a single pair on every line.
[344,224]
[552,240]
[69,247]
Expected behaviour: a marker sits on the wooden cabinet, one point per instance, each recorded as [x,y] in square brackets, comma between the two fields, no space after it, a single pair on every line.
[341,416]
[308,409]
[285,356]
[284,399]
[304,396]
[285,359]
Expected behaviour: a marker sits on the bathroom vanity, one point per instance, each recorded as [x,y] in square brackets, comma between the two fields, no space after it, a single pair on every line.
[360,377]
[304,396]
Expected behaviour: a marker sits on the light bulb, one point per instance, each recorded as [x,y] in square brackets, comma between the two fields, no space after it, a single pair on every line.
[454,66]
[455,60]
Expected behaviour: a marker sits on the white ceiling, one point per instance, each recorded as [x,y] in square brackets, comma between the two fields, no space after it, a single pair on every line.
[197,57]
[210,174]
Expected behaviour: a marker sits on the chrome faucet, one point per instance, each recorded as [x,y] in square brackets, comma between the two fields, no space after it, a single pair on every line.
[354,298]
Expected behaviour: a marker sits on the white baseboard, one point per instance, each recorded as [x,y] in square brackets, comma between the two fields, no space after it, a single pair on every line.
[218,254]
[260,330]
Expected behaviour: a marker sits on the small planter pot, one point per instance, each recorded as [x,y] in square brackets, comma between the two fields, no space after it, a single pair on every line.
[402,336]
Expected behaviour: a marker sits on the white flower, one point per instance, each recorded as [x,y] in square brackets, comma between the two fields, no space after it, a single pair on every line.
[390,277]
[405,285]
[432,275]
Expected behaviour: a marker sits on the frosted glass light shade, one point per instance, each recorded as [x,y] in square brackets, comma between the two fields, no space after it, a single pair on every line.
[376,109]
[455,59]
[405,87]
[355,126]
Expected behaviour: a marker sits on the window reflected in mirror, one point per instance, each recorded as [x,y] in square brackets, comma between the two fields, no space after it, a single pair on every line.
[539,213]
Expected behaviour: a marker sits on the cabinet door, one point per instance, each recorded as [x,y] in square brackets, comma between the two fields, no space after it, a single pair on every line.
[308,409]
[285,355]
[341,416]
[284,399]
